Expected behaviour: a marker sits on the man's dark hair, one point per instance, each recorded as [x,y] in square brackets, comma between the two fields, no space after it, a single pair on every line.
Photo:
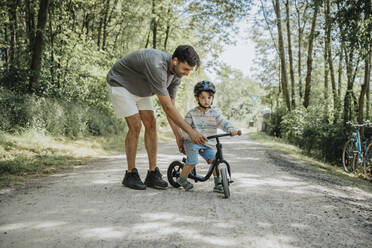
[186,53]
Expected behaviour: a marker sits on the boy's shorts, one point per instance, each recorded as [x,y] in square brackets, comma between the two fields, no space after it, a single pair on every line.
[125,103]
[192,151]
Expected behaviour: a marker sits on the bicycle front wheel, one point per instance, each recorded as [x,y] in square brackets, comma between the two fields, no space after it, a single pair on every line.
[348,156]
[225,182]
[367,163]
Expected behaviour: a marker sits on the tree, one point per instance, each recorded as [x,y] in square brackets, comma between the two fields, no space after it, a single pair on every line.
[291,71]
[310,56]
[284,78]
[38,44]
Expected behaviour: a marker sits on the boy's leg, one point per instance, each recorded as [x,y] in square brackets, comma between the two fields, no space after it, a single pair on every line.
[182,180]
[209,155]
[192,159]
[187,169]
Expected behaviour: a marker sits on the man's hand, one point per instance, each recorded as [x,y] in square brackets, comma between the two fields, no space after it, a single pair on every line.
[180,141]
[236,132]
[197,138]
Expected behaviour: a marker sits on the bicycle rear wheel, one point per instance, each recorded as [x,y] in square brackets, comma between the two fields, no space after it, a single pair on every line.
[367,163]
[174,172]
[348,156]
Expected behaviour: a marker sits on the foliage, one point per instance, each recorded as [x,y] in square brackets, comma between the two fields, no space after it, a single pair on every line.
[237,97]
[272,124]
[55,117]
[311,131]
[83,39]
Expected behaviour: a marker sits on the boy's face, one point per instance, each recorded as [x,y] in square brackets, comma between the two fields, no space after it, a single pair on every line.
[205,99]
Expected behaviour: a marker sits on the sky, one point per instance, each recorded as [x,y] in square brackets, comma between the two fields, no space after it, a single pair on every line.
[241,55]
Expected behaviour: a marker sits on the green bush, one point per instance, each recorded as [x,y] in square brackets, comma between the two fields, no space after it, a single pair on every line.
[15,111]
[272,124]
[73,119]
[311,130]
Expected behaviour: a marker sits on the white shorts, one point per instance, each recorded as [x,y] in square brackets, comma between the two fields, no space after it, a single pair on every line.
[125,103]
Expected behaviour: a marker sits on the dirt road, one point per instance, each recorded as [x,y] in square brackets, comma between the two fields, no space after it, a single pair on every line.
[275,202]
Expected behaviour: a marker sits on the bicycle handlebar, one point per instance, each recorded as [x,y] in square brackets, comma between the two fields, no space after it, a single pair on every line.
[218,135]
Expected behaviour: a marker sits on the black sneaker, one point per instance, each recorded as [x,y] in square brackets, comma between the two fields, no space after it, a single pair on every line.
[154,179]
[132,180]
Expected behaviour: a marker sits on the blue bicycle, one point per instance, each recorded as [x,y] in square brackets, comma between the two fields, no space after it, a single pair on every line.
[356,151]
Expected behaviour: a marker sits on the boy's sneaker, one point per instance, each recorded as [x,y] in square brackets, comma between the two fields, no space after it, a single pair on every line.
[154,179]
[218,185]
[184,183]
[132,180]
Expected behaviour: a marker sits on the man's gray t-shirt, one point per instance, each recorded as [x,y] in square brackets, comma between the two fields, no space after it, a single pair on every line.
[145,73]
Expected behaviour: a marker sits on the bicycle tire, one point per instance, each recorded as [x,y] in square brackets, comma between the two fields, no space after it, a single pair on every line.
[348,157]
[225,183]
[367,163]
[174,172]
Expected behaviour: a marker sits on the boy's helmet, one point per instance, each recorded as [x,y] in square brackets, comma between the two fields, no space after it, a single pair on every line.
[204,86]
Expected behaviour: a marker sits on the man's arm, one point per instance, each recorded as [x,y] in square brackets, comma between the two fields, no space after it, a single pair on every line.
[172,114]
[176,130]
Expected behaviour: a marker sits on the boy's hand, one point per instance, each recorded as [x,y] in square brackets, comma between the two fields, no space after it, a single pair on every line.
[236,132]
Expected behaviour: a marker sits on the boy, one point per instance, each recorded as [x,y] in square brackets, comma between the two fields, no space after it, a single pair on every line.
[205,120]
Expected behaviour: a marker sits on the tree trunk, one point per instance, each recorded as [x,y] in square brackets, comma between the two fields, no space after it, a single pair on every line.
[99,32]
[154,25]
[51,36]
[300,30]
[284,78]
[339,79]
[105,23]
[310,58]
[37,50]
[168,27]
[291,72]
[326,68]
[108,22]
[367,80]
[349,58]
[329,56]
[363,90]
[30,19]
[5,52]
[148,38]
[12,12]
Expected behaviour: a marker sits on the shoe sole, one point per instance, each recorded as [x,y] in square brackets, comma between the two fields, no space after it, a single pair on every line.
[134,187]
[156,186]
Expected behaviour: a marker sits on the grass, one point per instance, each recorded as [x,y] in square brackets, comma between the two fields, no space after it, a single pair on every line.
[283,146]
[33,153]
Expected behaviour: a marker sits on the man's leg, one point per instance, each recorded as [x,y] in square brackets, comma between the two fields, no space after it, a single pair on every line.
[151,139]
[154,177]
[131,178]
[131,140]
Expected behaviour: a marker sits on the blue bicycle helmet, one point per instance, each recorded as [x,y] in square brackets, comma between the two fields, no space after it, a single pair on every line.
[204,86]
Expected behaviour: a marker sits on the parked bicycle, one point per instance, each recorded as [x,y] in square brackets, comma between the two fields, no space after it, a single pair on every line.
[357,151]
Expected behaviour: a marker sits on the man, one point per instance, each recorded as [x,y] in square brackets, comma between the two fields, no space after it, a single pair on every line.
[132,82]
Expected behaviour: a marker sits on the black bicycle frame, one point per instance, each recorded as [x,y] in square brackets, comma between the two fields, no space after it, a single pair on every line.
[218,159]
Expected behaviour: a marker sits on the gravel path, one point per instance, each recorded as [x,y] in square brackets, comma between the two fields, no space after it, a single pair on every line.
[275,202]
